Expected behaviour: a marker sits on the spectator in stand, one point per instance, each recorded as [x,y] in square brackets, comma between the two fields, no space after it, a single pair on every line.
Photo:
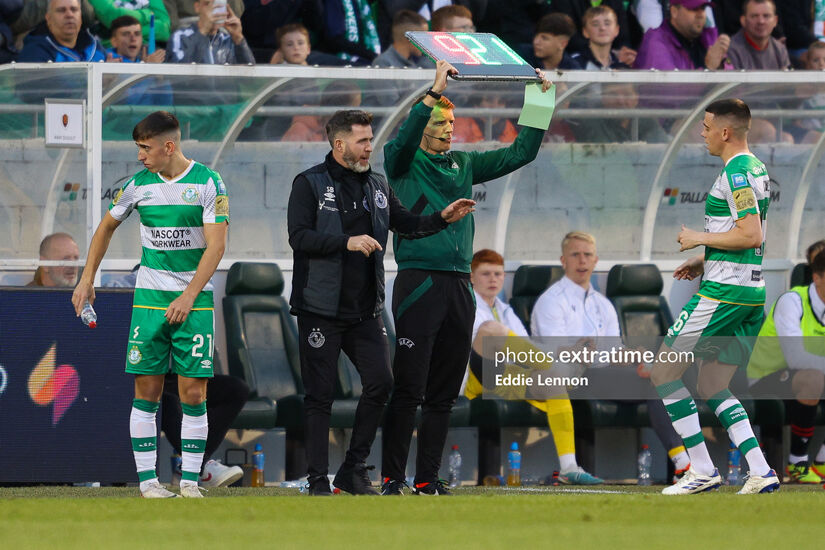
[339,93]
[388,8]
[514,21]
[107,11]
[797,20]
[9,12]
[261,16]
[213,40]
[293,45]
[600,27]
[65,40]
[629,35]
[183,13]
[57,247]
[453,19]
[128,47]
[753,47]
[808,130]
[552,36]
[683,42]
[349,31]
[127,42]
[401,52]
[34,14]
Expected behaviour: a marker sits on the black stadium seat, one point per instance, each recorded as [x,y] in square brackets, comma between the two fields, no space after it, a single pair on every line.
[528,284]
[801,275]
[635,291]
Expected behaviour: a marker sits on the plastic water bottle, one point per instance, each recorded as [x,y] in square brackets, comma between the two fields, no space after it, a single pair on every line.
[455,467]
[88,315]
[258,466]
[644,463]
[514,466]
[734,458]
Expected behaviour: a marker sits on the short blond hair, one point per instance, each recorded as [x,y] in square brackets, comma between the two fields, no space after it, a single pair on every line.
[577,235]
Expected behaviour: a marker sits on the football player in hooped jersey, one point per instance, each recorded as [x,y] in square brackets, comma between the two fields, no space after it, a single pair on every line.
[184,212]
[729,303]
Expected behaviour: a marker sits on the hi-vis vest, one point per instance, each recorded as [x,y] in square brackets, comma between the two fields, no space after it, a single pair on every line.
[767,356]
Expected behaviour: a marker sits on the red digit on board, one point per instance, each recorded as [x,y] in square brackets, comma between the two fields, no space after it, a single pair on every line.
[455,47]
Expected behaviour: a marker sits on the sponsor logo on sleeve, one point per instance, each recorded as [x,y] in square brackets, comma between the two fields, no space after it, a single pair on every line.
[117,197]
[738,180]
[744,199]
[222,205]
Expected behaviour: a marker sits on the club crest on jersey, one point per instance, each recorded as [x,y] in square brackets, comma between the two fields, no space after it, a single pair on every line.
[406,342]
[380,199]
[134,355]
[316,339]
[190,195]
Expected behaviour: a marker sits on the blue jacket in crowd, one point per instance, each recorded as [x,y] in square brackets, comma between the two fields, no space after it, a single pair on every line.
[41,48]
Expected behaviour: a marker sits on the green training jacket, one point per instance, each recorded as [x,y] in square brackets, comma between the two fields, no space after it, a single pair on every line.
[426,183]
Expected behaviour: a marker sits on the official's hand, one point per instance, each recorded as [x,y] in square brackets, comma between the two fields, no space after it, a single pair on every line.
[545,84]
[457,210]
[364,244]
[83,292]
[691,269]
[179,309]
[442,70]
[689,238]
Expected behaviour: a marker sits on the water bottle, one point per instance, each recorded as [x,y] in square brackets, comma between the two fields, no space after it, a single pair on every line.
[644,463]
[455,467]
[88,315]
[514,466]
[734,457]
[258,466]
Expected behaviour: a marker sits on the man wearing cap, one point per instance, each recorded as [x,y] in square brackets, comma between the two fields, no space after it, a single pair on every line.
[683,42]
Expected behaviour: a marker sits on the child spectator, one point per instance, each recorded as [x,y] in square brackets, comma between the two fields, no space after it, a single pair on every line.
[293,45]
[601,27]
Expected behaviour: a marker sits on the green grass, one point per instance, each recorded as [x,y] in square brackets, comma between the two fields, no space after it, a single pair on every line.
[610,517]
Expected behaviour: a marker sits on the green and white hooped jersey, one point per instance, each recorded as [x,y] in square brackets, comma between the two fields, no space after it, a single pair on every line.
[735,276]
[172,216]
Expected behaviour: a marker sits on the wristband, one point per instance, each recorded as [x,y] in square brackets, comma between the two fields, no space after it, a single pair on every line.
[435,95]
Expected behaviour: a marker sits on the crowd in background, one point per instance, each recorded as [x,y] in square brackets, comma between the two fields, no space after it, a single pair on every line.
[557,35]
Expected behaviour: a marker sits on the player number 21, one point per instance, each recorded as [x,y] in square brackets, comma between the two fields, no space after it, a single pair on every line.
[198,344]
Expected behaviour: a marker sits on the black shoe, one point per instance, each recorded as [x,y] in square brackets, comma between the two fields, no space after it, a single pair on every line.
[393,487]
[354,479]
[433,488]
[319,487]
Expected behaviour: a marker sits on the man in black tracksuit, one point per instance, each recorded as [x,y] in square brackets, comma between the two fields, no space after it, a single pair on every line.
[433,303]
[339,216]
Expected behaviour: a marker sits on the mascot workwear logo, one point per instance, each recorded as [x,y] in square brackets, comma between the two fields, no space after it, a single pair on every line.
[57,386]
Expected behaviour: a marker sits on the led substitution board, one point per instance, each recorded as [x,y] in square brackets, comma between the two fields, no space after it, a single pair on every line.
[476,56]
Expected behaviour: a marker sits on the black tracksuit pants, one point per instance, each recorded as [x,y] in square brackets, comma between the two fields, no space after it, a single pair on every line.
[321,340]
[434,313]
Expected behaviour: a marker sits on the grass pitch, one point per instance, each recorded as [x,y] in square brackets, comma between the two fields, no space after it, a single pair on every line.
[604,517]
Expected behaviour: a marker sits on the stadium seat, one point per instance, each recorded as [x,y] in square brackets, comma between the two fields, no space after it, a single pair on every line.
[635,291]
[801,275]
[262,349]
[529,282]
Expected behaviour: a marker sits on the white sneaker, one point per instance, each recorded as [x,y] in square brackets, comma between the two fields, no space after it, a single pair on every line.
[156,490]
[767,483]
[693,482]
[191,491]
[216,474]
